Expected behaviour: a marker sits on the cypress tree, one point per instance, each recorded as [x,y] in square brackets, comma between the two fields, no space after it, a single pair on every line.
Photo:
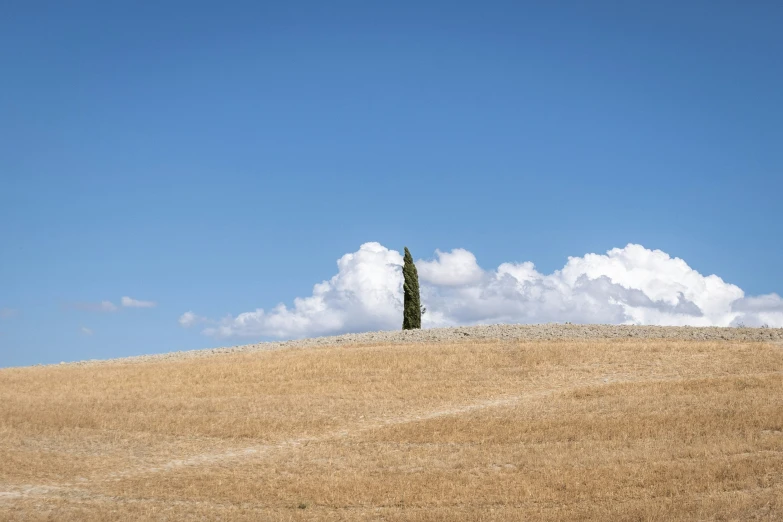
[411,312]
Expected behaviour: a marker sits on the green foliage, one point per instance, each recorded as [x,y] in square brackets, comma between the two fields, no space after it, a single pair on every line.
[412,309]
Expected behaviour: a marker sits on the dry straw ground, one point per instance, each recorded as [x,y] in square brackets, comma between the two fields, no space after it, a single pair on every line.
[559,430]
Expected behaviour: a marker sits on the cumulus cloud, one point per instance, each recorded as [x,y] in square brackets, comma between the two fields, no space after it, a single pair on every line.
[630,285]
[86,331]
[759,311]
[189,319]
[455,268]
[366,294]
[135,303]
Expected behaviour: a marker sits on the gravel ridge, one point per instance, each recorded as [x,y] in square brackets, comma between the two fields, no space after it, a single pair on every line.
[531,332]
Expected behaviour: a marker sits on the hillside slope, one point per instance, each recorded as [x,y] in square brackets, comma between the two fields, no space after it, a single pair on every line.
[490,429]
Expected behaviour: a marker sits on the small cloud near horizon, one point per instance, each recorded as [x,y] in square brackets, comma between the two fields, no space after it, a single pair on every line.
[189,319]
[128,302]
[103,306]
[86,331]
[8,313]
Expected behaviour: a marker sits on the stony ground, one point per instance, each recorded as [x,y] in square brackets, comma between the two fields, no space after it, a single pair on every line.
[504,332]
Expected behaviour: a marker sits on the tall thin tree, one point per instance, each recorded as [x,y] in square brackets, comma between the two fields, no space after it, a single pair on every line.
[411,309]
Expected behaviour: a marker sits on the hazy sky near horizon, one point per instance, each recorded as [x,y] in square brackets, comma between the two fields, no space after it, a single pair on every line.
[171,173]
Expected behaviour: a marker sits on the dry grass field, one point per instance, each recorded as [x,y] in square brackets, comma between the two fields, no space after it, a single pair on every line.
[506,431]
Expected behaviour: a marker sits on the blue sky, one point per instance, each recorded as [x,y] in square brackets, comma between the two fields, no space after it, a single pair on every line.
[220,158]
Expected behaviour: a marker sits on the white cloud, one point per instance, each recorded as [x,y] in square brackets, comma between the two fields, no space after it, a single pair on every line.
[103,306]
[626,285]
[758,311]
[189,319]
[366,294]
[135,303]
[631,285]
[455,268]
[86,331]
[108,306]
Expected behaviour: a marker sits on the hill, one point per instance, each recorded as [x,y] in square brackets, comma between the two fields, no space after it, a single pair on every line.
[556,422]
